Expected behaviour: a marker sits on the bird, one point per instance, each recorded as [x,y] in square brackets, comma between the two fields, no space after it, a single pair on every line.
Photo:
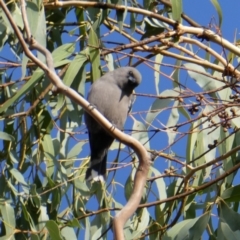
[112,96]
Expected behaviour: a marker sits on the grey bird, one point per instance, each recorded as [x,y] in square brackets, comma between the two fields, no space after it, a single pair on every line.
[112,96]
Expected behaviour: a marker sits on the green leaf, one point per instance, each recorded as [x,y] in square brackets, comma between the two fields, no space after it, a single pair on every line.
[82,187]
[229,221]
[98,233]
[56,199]
[34,196]
[228,233]
[42,218]
[37,75]
[223,148]
[75,150]
[16,15]
[37,23]
[154,230]
[172,121]
[174,231]
[34,237]
[3,35]
[5,25]
[94,54]
[47,144]
[199,149]
[53,230]
[74,223]
[161,186]
[140,223]
[74,67]
[192,138]
[196,231]
[121,15]
[132,22]
[200,76]
[146,4]
[159,105]
[129,186]
[155,23]
[69,233]
[8,218]
[209,139]
[176,9]
[219,11]
[40,31]
[157,64]
[110,61]
[231,194]
[18,176]
[230,217]
[151,31]
[49,153]
[140,133]
[7,137]
[44,122]
[25,60]
[25,212]
[63,52]
[96,228]
[189,229]
[96,16]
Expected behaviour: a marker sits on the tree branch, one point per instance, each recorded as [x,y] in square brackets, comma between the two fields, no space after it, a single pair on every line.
[197,31]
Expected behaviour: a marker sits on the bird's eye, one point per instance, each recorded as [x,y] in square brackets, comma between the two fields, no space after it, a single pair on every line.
[130,73]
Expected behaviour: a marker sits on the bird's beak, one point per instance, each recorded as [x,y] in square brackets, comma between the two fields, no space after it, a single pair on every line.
[132,79]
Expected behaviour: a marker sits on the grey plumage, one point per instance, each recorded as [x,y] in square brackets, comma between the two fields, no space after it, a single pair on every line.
[112,96]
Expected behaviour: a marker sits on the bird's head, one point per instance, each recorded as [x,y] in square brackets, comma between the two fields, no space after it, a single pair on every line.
[127,78]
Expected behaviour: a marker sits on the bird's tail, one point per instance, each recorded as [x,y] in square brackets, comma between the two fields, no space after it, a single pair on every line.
[97,169]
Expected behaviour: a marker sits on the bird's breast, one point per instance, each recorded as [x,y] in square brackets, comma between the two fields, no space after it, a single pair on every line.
[112,103]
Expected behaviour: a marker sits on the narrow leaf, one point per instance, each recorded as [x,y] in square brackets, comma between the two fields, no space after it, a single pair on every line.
[6,136]
[53,230]
[231,194]
[141,133]
[200,76]
[74,67]
[176,9]
[159,105]
[219,11]
[63,52]
[94,55]
[8,218]
[26,88]
[157,64]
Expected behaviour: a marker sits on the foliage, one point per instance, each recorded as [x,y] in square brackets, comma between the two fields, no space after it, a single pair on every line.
[191,124]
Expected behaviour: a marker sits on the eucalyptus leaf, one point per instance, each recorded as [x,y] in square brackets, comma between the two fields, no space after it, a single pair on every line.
[176,9]
[7,213]
[159,105]
[219,11]
[94,54]
[53,230]
[202,78]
